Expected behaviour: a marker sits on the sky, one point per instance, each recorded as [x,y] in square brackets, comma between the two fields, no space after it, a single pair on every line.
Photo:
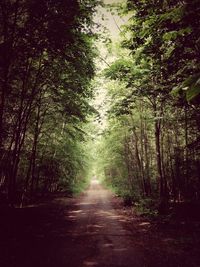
[111,22]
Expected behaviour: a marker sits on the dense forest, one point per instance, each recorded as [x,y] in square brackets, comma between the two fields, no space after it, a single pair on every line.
[46,65]
[149,151]
[99,133]
[149,148]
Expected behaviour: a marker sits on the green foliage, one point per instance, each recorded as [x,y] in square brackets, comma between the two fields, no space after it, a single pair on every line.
[190,87]
[154,134]
[46,68]
[147,207]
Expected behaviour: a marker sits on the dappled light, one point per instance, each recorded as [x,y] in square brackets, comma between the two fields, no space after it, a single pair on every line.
[90,263]
[144,224]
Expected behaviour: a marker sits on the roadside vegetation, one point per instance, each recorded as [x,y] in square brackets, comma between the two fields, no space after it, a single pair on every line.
[46,65]
[69,111]
[149,151]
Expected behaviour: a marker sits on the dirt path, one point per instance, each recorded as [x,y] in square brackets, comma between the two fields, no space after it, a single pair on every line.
[86,231]
[99,224]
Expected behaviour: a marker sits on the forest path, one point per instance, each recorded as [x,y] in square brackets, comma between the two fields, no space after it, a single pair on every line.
[100,227]
[89,230]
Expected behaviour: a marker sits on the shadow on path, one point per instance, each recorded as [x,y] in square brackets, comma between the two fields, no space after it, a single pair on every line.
[84,231]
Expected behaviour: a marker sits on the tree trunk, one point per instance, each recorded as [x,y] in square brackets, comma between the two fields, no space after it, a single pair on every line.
[163,205]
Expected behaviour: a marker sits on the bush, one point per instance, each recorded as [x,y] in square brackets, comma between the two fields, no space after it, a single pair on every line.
[147,207]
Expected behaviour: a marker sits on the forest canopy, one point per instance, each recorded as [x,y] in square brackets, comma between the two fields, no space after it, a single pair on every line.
[150,149]
[46,65]
[142,137]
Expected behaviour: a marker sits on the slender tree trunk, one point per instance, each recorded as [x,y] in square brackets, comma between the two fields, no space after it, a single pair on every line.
[138,160]
[186,151]
[162,190]
[158,159]
[34,148]
[146,155]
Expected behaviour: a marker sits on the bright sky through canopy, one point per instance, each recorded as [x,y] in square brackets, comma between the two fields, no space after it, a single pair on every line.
[111,21]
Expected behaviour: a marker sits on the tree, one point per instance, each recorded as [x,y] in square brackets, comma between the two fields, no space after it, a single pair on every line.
[163,42]
[45,70]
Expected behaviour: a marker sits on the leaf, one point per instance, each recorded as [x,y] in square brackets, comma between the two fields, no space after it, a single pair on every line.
[193,92]
[172,35]
[175,15]
[191,86]
[168,36]
[194,79]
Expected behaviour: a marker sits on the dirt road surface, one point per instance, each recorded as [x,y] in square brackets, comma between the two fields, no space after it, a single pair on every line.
[90,230]
[100,228]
